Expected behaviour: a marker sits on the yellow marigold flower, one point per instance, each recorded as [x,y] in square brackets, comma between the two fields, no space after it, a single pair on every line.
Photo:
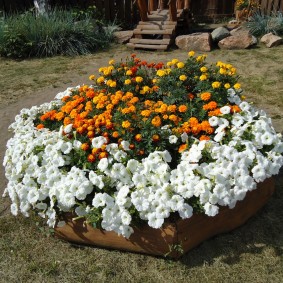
[203,69]
[216,84]
[154,81]
[222,71]
[243,97]
[227,86]
[182,77]
[203,77]
[91,77]
[168,71]
[160,73]
[180,65]
[111,62]
[113,84]
[109,82]
[129,73]
[175,61]
[233,70]
[100,80]
[126,124]
[219,64]
[139,79]
[127,82]
[191,53]
[237,86]
[169,64]
[146,88]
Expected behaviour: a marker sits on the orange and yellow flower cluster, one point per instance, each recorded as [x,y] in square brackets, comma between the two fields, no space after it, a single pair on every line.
[143,103]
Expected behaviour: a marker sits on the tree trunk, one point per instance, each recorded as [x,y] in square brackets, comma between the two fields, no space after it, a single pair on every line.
[41,7]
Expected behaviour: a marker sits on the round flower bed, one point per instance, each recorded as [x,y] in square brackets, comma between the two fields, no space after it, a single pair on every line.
[144,142]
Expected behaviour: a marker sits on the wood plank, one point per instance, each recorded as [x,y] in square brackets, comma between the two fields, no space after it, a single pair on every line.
[148,46]
[269,7]
[155,27]
[157,23]
[167,31]
[275,6]
[150,41]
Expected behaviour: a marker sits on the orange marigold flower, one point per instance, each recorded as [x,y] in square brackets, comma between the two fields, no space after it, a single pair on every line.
[210,106]
[40,126]
[173,118]
[172,108]
[182,108]
[156,121]
[182,147]
[103,154]
[126,124]
[67,121]
[155,138]
[235,108]
[59,116]
[204,138]
[205,96]
[85,146]
[138,137]
[91,158]
[191,96]
[193,121]
[145,113]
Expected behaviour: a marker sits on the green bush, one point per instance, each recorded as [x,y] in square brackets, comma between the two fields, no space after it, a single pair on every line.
[58,33]
[260,24]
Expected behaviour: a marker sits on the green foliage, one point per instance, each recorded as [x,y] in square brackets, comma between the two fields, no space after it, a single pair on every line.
[260,24]
[60,32]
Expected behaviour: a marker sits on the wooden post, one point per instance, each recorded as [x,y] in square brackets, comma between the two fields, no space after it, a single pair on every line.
[152,5]
[180,4]
[187,4]
[143,9]
[173,10]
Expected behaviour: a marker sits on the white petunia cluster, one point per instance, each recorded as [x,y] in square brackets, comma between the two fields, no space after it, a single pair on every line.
[217,173]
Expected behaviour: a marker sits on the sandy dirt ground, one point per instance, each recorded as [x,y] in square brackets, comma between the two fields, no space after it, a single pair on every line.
[8,110]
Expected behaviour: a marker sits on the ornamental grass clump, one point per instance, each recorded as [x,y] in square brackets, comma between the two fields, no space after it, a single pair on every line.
[143,143]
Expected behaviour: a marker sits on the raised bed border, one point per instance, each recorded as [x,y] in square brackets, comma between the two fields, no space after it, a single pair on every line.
[175,238]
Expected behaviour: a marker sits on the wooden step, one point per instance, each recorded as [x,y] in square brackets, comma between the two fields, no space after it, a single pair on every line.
[157,23]
[148,46]
[155,27]
[150,41]
[166,31]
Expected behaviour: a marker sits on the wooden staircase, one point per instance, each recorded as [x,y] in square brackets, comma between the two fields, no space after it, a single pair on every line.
[157,28]
[153,35]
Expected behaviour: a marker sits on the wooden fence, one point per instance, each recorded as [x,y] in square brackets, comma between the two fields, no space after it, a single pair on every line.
[270,6]
[126,10]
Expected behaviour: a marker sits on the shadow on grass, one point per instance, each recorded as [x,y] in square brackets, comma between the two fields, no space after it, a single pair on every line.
[264,230]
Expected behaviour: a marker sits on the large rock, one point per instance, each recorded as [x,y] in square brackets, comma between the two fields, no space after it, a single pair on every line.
[240,31]
[123,36]
[219,34]
[241,41]
[271,40]
[194,41]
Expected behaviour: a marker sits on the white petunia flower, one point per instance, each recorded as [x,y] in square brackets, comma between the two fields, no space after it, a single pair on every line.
[225,109]
[173,139]
[98,142]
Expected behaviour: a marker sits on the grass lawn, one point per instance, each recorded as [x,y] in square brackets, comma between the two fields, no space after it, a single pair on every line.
[29,252]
